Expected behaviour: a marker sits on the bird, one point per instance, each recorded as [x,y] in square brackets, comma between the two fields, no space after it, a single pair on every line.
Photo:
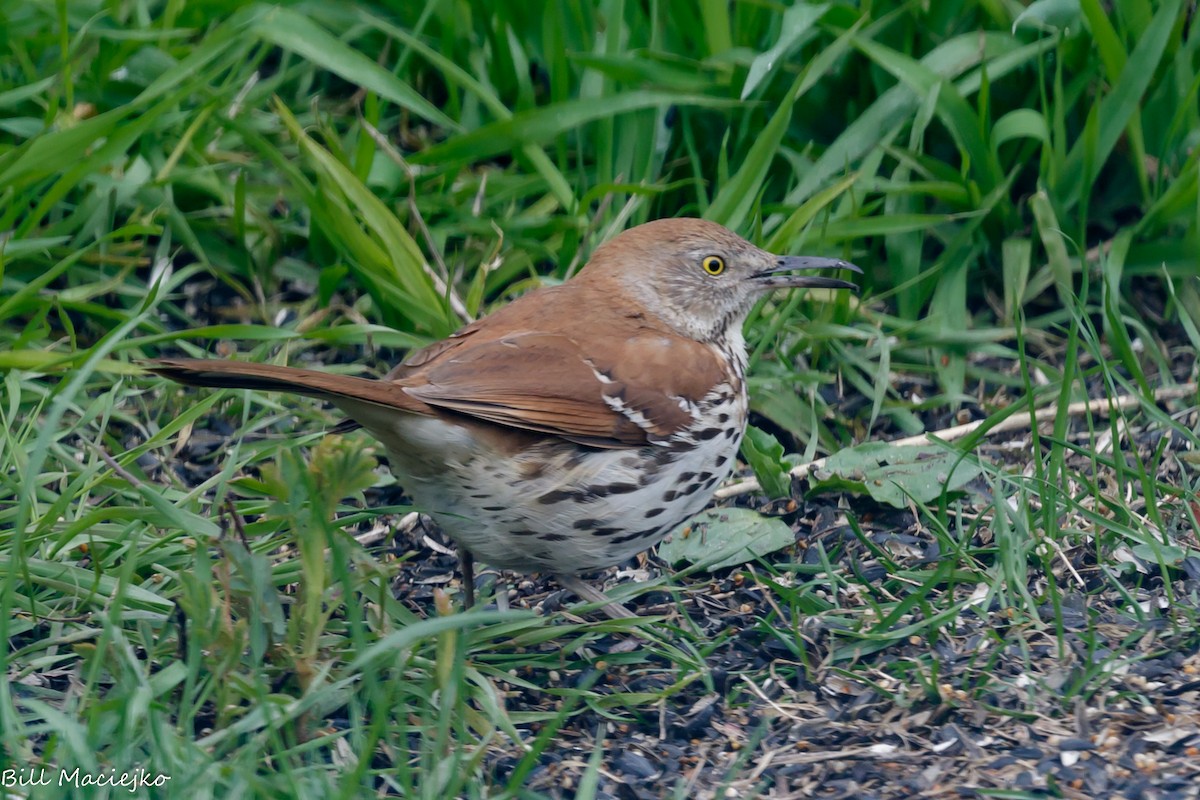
[578,425]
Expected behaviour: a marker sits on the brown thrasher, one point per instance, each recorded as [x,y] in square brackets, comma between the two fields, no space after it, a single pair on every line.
[578,425]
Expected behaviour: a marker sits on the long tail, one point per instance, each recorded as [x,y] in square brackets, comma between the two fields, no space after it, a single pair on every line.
[270,377]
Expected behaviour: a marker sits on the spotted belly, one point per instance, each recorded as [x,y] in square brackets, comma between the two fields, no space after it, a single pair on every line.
[558,507]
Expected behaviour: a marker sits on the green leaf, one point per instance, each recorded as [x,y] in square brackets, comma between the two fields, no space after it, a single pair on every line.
[35,360]
[43,156]
[896,475]
[342,467]
[544,123]
[387,259]
[457,76]
[1169,555]
[1049,15]
[1021,123]
[84,585]
[1120,107]
[1016,253]
[888,113]
[715,14]
[293,31]
[737,196]
[1058,260]
[796,27]
[175,517]
[637,68]
[953,110]
[764,453]
[725,537]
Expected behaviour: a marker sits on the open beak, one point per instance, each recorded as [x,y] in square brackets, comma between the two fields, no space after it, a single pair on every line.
[782,275]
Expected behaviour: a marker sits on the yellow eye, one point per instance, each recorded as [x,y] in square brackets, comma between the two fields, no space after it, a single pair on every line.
[713,265]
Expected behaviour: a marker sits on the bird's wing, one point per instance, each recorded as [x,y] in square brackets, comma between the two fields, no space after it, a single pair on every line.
[643,389]
[417,359]
[412,366]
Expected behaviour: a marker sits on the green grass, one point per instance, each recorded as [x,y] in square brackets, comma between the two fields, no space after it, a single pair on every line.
[341,181]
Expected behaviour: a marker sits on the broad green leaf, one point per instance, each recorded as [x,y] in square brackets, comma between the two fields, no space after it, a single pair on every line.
[1021,123]
[1169,555]
[50,361]
[764,454]
[888,112]
[896,475]
[43,156]
[456,75]
[725,537]
[715,14]
[638,68]
[806,212]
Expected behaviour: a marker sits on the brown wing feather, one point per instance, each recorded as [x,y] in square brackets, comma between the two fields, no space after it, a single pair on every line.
[419,358]
[411,366]
[632,386]
[554,384]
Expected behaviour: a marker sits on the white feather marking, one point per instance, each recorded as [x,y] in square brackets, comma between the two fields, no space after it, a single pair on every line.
[631,414]
[600,376]
[689,407]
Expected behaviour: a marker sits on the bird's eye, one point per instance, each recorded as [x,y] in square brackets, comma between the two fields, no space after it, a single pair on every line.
[713,265]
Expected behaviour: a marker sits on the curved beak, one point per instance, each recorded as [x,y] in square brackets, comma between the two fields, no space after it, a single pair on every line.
[782,275]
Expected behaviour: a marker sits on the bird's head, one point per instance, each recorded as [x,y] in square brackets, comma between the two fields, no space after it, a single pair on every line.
[699,277]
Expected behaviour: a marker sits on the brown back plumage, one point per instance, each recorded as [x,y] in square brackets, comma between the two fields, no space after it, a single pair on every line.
[616,357]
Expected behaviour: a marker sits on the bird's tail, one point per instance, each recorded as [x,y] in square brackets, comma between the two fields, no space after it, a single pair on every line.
[342,390]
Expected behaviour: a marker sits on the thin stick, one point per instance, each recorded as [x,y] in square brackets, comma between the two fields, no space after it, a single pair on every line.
[1015,422]
[120,471]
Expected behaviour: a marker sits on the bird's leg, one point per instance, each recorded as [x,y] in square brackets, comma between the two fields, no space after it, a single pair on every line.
[591,594]
[466,565]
